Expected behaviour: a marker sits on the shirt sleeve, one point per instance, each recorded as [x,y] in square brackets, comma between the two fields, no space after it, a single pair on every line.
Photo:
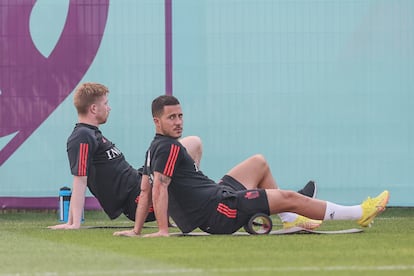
[80,148]
[166,159]
[145,168]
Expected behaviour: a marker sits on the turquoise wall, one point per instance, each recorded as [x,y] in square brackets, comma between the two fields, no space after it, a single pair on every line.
[324,89]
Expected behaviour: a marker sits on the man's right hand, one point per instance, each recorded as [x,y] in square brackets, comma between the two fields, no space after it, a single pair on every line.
[64,226]
[126,233]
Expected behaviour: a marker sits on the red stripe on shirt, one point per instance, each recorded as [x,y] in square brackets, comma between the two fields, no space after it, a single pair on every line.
[225,210]
[83,158]
[172,159]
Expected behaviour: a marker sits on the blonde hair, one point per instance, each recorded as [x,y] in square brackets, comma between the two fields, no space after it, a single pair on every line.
[87,94]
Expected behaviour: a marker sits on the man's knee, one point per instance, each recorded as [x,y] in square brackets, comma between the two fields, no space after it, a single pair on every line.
[196,141]
[191,142]
[260,160]
[194,147]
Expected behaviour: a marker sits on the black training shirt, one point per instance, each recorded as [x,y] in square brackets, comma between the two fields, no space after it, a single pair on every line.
[192,195]
[110,176]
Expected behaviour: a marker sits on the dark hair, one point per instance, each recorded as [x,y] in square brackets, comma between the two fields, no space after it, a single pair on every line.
[158,104]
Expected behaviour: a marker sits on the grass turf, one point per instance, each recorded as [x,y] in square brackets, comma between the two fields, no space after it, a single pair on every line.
[28,248]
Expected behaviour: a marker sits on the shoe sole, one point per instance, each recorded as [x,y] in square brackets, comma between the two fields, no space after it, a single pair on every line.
[304,227]
[308,225]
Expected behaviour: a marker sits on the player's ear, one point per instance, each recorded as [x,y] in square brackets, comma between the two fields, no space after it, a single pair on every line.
[92,108]
[156,121]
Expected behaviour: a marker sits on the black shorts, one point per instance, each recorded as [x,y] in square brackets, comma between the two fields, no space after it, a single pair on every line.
[131,205]
[131,208]
[235,207]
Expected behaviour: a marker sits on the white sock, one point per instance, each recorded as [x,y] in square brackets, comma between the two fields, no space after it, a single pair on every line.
[339,212]
[287,216]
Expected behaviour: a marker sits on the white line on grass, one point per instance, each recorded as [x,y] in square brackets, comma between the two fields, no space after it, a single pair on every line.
[222,270]
[319,268]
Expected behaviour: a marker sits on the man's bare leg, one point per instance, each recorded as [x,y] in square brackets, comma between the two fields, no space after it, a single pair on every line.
[288,201]
[254,173]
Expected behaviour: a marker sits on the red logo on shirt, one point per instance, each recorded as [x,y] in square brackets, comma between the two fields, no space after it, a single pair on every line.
[252,195]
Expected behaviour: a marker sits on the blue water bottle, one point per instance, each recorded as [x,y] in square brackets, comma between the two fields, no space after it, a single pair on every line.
[64,199]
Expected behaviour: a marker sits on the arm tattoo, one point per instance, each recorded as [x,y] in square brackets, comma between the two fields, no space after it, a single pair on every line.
[165,180]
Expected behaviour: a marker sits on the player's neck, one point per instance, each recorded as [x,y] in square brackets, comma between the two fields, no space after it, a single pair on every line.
[87,120]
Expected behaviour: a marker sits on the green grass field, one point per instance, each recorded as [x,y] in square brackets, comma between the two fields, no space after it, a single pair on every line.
[28,248]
